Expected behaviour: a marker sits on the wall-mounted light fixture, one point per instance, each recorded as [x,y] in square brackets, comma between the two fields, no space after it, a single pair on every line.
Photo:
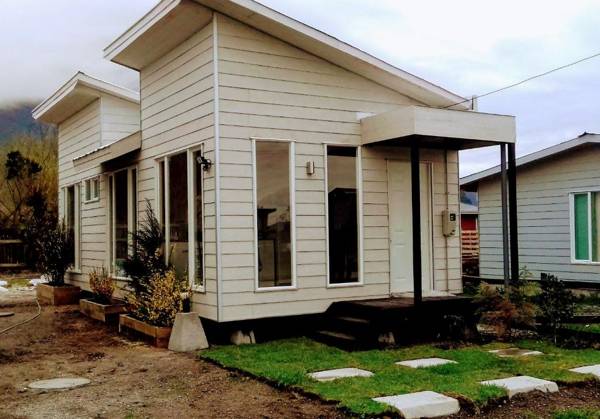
[204,162]
[310,168]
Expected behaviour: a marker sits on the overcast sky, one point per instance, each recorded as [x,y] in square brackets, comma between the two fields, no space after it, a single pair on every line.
[467,46]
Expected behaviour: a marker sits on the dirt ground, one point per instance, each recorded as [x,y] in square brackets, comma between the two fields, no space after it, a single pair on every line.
[133,380]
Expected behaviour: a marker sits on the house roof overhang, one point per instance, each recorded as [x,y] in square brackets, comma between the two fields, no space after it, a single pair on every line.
[109,152]
[76,94]
[438,128]
[172,21]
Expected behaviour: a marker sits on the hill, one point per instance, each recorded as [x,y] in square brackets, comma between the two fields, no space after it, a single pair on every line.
[16,120]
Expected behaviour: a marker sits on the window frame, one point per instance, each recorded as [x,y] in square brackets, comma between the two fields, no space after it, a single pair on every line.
[292,188]
[94,192]
[132,215]
[163,192]
[77,220]
[588,192]
[359,214]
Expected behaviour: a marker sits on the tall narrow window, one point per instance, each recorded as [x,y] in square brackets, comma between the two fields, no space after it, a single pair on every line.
[72,219]
[342,204]
[198,257]
[123,195]
[273,214]
[585,220]
[178,213]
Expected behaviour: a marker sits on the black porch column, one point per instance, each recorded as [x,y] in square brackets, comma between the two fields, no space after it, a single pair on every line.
[415,172]
[512,212]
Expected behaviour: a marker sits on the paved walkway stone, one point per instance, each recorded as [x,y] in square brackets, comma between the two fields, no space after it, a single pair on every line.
[523,384]
[592,369]
[425,362]
[515,352]
[331,375]
[425,404]
[59,383]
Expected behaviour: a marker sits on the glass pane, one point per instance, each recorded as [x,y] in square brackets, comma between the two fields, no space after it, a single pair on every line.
[178,214]
[96,188]
[343,215]
[121,231]
[273,214]
[88,190]
[595,222]
[70,217]
[162,200]
[199,250]
[582,251]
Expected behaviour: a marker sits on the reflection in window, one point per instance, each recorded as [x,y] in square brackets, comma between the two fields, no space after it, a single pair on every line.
[178,213]
[71,221]
[273,214]
[198,223]
[121,226]
[586,218]
[343,215]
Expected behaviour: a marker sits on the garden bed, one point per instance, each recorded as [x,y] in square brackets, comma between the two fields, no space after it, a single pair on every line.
[106,313]
[58,295]
[287,363]
[158,335]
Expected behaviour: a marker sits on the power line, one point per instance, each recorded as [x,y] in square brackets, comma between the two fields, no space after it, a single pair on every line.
[526,80]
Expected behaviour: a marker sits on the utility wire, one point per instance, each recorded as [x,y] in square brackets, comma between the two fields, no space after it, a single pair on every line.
[526,80]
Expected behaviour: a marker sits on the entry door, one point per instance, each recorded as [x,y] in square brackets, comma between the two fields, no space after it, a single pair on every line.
[400,218]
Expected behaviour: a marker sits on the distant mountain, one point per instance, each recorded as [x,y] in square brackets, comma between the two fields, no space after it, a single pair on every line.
[16,120]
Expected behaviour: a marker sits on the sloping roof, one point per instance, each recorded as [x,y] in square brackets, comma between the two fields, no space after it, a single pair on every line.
[584,139]
[77,93]
[109,151]
[154,35]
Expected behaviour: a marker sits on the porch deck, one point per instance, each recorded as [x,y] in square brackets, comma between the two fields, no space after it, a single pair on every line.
[367,324]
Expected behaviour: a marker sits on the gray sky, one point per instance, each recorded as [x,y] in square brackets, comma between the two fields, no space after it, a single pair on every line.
[466,46]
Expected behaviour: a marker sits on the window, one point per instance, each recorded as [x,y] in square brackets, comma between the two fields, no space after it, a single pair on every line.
[180,187]
[92,189]
[123,196]
[585,218]
[72,197]
[274,217]
[342,210]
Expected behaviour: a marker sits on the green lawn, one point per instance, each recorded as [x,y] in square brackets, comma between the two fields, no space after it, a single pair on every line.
[591,328]
[287,363]
[578,414]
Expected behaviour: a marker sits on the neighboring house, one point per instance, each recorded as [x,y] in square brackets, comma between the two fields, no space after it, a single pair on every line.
[279,160]
[469,236]
[558,210]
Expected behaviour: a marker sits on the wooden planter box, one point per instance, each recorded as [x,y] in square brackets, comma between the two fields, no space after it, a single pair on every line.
[57,296]
[106,313]
[159,335]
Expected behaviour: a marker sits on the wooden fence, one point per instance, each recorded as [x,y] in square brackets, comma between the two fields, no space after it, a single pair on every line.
[12,253]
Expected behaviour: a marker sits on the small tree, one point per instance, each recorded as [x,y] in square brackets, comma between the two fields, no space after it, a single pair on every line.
[557,304]
[55,254]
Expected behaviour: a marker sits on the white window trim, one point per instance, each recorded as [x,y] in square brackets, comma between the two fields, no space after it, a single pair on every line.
[87,184]
[359,214]
[132,205]
[292,186]
[589,192]
[191,211]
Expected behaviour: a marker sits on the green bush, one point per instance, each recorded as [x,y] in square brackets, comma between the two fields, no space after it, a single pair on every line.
[55,253]
[557,304]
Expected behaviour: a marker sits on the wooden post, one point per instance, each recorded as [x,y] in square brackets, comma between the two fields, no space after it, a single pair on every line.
[415,170]
[504,200]
[512,210]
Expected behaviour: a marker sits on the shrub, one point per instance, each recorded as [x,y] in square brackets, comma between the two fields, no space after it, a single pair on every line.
[161,301]
[102,285]
[55,249]
[557,304]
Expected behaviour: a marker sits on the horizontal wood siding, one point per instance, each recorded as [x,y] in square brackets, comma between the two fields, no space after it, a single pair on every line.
[177,112]
[120,118]
[543,215]
[270,89]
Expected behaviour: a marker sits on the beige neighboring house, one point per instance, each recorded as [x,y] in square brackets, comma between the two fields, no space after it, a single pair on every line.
[279,159]
[558,212]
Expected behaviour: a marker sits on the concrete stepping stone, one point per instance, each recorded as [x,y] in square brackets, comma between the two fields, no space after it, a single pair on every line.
[591,369]
[425,404]
[331,375]
[425,362]
[59,383]
[523,384]
[515,352]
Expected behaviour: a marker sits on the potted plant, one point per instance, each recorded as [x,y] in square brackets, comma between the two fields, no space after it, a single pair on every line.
[102,306]
[156,294]
[55,257]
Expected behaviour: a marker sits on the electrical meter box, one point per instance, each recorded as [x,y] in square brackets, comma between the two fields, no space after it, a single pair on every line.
[449,223]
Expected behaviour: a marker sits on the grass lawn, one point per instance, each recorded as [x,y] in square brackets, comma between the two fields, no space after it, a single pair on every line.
[287,362]
[591,328]
[578,414]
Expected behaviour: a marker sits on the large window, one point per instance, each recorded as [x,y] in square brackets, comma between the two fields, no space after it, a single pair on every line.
[342,209]
[585,218]
[123,197]
[274,214]
[181,214]
[72,220]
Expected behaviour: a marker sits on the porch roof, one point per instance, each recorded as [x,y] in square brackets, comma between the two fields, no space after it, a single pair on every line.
[109,152]
[434,127]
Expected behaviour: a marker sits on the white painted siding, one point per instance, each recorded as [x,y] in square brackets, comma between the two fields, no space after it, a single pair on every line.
[269,89]
[120,118]
[543,216]
[177,112]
